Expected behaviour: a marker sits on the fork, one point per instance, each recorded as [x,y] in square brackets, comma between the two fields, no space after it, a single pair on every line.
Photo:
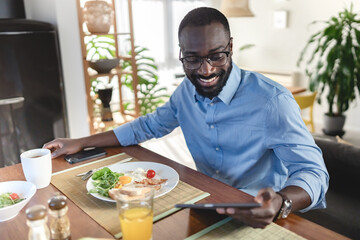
[86,175]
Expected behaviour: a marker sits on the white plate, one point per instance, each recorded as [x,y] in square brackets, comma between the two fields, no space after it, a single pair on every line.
[162,171]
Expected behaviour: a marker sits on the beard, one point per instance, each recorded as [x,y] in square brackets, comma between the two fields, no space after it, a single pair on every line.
[210,91]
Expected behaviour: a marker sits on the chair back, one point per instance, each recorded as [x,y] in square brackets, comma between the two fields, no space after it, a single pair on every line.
[307,101]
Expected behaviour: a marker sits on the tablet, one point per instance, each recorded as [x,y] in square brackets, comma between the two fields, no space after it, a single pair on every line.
[220,205]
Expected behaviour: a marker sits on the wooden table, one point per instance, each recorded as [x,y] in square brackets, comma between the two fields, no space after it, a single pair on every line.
[295,89]
[176,226]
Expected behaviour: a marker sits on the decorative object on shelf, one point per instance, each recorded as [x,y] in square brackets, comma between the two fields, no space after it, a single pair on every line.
[98,16]
[236,8]
[104,65]
[334,65]
[105,97]
[150,94]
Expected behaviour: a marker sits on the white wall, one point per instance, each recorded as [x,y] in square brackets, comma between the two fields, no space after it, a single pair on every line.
[279,49]
[63,14]
[276,49]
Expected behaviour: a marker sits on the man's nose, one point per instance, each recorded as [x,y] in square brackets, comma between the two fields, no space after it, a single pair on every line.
[206,69]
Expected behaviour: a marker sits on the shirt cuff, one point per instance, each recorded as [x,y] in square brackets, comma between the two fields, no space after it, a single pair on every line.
[125,134]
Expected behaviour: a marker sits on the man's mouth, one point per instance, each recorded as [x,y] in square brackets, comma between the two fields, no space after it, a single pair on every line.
[209,80]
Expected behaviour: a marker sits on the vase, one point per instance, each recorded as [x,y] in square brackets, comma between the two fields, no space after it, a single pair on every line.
[98,16]
[105,97]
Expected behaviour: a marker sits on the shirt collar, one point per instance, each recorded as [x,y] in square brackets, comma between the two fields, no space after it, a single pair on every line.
[229,90]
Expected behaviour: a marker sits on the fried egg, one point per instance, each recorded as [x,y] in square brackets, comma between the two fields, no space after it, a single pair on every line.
[131,177]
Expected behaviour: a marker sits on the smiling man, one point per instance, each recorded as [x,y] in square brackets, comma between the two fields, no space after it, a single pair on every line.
[196,47]
[240,127]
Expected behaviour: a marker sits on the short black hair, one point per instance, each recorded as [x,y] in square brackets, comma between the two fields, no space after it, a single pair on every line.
[204,16]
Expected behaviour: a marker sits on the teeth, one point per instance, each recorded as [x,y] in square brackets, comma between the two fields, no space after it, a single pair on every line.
[207,80]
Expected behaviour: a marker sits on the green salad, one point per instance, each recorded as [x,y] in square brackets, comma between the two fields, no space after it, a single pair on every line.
[104,180]
[8,199]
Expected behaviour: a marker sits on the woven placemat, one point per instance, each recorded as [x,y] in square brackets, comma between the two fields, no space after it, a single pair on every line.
[228,229]
[105,213]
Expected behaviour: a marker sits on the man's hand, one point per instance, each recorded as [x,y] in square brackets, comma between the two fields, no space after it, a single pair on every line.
[257,217]
[62,146]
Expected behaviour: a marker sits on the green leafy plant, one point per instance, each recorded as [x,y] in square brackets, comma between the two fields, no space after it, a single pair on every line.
[334,63]
[100,47]
[150,94]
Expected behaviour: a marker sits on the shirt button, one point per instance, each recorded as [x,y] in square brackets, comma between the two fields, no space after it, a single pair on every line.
[217,149]
[211,104]
[217,171]
[212,126]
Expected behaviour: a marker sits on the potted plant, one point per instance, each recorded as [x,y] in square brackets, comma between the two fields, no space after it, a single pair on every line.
[100,55]
[150,94]
[334,66]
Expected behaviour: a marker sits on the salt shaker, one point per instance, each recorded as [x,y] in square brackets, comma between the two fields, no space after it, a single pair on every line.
[37,222]
[59,222]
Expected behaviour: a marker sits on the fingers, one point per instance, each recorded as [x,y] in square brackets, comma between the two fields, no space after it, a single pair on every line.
[58,152]
[220,210]
[249,217]
[265,194]
[58,147]
[53,144]
[256,217]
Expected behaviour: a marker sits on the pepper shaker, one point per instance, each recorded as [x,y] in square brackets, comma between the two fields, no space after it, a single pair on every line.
[59,222]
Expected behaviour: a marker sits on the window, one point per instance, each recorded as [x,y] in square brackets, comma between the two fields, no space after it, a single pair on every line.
[156,25]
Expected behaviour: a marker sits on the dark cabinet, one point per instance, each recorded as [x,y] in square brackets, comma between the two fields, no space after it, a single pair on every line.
[32,102]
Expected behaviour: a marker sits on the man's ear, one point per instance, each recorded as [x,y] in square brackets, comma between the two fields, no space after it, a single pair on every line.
[231,46]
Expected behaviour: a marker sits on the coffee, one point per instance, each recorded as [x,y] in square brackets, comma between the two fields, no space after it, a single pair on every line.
[36,156]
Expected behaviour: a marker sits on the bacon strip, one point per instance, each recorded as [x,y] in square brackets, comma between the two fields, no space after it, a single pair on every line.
[152,181]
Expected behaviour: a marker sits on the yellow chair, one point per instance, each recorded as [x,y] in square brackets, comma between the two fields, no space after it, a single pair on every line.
[307,101]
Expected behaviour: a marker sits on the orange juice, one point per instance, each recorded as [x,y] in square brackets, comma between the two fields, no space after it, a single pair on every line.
[136,223]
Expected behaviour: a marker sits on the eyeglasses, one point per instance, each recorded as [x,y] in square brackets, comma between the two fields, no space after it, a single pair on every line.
[217,59]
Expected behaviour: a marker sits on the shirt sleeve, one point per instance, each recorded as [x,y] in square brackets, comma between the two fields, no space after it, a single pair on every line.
[293,144]
[153,125]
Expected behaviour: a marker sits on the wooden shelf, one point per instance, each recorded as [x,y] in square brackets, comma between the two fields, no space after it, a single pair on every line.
[113,72]
[104,33]
[95,122]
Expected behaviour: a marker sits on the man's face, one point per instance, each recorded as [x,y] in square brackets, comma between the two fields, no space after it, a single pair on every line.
[202,41]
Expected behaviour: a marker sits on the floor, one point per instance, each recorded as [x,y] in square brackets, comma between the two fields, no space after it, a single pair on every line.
[173,146]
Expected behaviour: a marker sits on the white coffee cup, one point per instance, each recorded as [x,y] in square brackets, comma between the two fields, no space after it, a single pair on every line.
[37,166]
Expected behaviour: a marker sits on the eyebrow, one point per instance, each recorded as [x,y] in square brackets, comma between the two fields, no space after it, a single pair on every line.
[211,51]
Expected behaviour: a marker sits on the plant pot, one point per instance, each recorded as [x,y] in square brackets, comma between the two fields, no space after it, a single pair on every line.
[105,97]
[104,65]
[333,125]
[98,16]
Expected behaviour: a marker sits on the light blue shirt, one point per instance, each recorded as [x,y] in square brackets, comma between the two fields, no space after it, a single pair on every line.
[251,136]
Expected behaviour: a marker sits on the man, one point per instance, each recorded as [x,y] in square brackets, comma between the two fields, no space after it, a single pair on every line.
[240,127]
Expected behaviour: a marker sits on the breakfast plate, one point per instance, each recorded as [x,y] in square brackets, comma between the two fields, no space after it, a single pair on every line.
[162,172]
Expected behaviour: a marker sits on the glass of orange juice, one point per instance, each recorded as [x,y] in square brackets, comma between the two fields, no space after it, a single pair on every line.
[135,208]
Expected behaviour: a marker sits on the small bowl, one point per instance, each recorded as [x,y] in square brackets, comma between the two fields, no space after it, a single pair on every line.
[24,189]
[104,65]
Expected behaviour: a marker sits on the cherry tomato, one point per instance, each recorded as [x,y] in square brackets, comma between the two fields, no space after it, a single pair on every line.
[150,173]
[14,196]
